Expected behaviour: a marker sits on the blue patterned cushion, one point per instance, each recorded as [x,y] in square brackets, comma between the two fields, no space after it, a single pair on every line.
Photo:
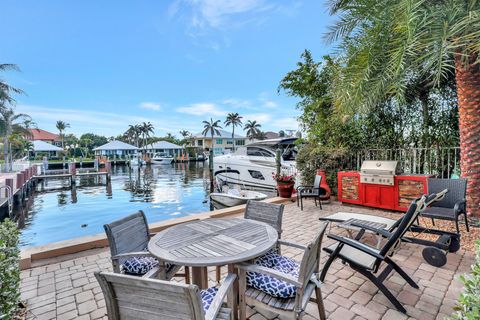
[141,265]
[271,285]
[207,297]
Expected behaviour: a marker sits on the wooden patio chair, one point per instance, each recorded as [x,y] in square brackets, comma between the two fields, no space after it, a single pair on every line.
[310,192]
[367,260]
[128,240]
[130,297]
[269,213]
[452,205]
[283,287]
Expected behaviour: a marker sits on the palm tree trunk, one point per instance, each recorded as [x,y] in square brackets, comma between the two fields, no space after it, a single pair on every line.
[5,152]
[233,138]
[468,91]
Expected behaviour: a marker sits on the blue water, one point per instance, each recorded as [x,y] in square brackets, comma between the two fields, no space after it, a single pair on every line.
[56,212]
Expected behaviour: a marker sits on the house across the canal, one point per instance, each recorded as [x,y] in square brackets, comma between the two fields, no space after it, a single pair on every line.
[164,147]
[116,148]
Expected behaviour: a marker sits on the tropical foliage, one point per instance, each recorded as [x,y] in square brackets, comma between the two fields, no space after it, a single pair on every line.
[391,49]
[233,119]
[61,127]
[9,264]
[469,302]
[252,128]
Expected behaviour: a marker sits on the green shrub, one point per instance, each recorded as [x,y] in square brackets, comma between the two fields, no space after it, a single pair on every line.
[312,157]
[468,307]
[9,269]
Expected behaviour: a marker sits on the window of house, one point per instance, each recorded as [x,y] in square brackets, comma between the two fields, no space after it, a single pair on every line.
[229,141]
[240,142]
[199,143]
[219,141]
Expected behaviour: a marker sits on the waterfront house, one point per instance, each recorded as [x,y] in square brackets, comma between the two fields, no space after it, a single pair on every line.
[42,148]
[116,149]
[221,144]
[45,136]
[165,147]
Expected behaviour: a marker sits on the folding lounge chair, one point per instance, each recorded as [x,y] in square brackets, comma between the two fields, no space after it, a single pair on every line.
[367,260]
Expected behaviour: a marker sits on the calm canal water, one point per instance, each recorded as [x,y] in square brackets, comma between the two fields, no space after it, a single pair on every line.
[57,212]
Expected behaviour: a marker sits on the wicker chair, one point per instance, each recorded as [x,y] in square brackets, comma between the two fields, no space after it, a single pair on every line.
[453,204]
[128,238]
[129,297]
[310,192]
[305,280]
[269,213]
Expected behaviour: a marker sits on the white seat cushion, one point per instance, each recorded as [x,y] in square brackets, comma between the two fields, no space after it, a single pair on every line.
[355,255]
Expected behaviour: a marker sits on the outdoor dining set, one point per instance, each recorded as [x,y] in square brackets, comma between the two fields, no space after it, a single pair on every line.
[250,248]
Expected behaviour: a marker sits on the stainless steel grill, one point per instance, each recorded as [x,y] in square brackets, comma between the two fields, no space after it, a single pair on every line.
[379,172]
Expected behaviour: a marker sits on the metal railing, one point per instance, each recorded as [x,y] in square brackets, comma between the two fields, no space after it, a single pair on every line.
[444,162]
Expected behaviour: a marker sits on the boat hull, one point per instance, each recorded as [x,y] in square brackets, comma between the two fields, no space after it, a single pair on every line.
[230,200]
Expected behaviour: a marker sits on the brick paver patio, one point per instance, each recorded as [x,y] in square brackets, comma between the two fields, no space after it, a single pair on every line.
[65,288]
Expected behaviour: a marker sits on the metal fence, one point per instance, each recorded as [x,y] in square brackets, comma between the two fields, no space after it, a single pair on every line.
[443,162]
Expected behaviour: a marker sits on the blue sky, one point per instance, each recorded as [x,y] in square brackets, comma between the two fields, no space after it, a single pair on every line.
[102,65]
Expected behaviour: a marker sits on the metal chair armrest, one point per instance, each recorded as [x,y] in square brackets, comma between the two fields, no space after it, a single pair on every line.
[270,272]
[292,244]
[382,232]
[227,285]
[357,245]
[460,206]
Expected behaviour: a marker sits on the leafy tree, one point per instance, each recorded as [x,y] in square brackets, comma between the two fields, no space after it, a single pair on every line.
[252,128]
[233,119]
[91,140]
[397,38]
[281,134]
[11,123]
[146,129]
[61,127]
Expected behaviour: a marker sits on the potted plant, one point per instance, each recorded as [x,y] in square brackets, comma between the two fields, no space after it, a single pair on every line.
[285,183]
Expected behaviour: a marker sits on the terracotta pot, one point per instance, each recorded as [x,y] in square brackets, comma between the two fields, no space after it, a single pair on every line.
[285,189]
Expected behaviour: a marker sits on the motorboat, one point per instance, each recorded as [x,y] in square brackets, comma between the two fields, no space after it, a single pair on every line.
[235,197]
[136,161]
[162,158]
[253,166]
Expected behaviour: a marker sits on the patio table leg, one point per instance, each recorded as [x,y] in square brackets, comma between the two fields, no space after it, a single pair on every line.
[200,277]
[234,303]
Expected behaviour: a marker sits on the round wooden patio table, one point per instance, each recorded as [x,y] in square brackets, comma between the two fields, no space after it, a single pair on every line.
[213,242]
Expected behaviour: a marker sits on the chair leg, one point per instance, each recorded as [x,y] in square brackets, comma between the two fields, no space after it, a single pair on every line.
[298,199]
[456,225]
[315,199]
[321,307]
[301,203]
[433,222]
[219,273]
[400,271]
[320,203]
[242,287]
[327,265]
[466,222]
[187,275]
[382,288]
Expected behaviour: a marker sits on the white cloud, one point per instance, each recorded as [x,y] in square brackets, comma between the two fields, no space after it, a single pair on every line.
[237,103]
[201,109]
[269,104]
[150,106]
[288,123]
[262,118]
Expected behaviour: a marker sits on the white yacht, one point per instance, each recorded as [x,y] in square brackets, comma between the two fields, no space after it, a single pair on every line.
[162,158]
[254,164]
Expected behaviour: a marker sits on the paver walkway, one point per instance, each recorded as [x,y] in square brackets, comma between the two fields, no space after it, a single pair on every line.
[65,288]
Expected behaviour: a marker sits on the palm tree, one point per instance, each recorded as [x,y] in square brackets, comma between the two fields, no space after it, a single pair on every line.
[10,125]
[252,128]
[62,126]
[211,127]
[7,90]
[385,43]
[233,119]
[146,128]
[133,134]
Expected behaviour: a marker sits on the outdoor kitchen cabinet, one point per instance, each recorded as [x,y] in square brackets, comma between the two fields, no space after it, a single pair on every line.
[398,196]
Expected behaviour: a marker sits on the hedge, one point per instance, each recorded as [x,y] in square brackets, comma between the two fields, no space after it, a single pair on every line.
[9,269]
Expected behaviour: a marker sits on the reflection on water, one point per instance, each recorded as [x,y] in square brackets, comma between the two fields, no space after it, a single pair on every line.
[58,212]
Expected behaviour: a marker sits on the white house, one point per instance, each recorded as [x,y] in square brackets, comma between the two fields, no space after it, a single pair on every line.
[116,148]
[43,147]
[164,147]
[221,143]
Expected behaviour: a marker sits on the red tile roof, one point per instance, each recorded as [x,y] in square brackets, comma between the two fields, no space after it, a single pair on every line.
[39,134]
